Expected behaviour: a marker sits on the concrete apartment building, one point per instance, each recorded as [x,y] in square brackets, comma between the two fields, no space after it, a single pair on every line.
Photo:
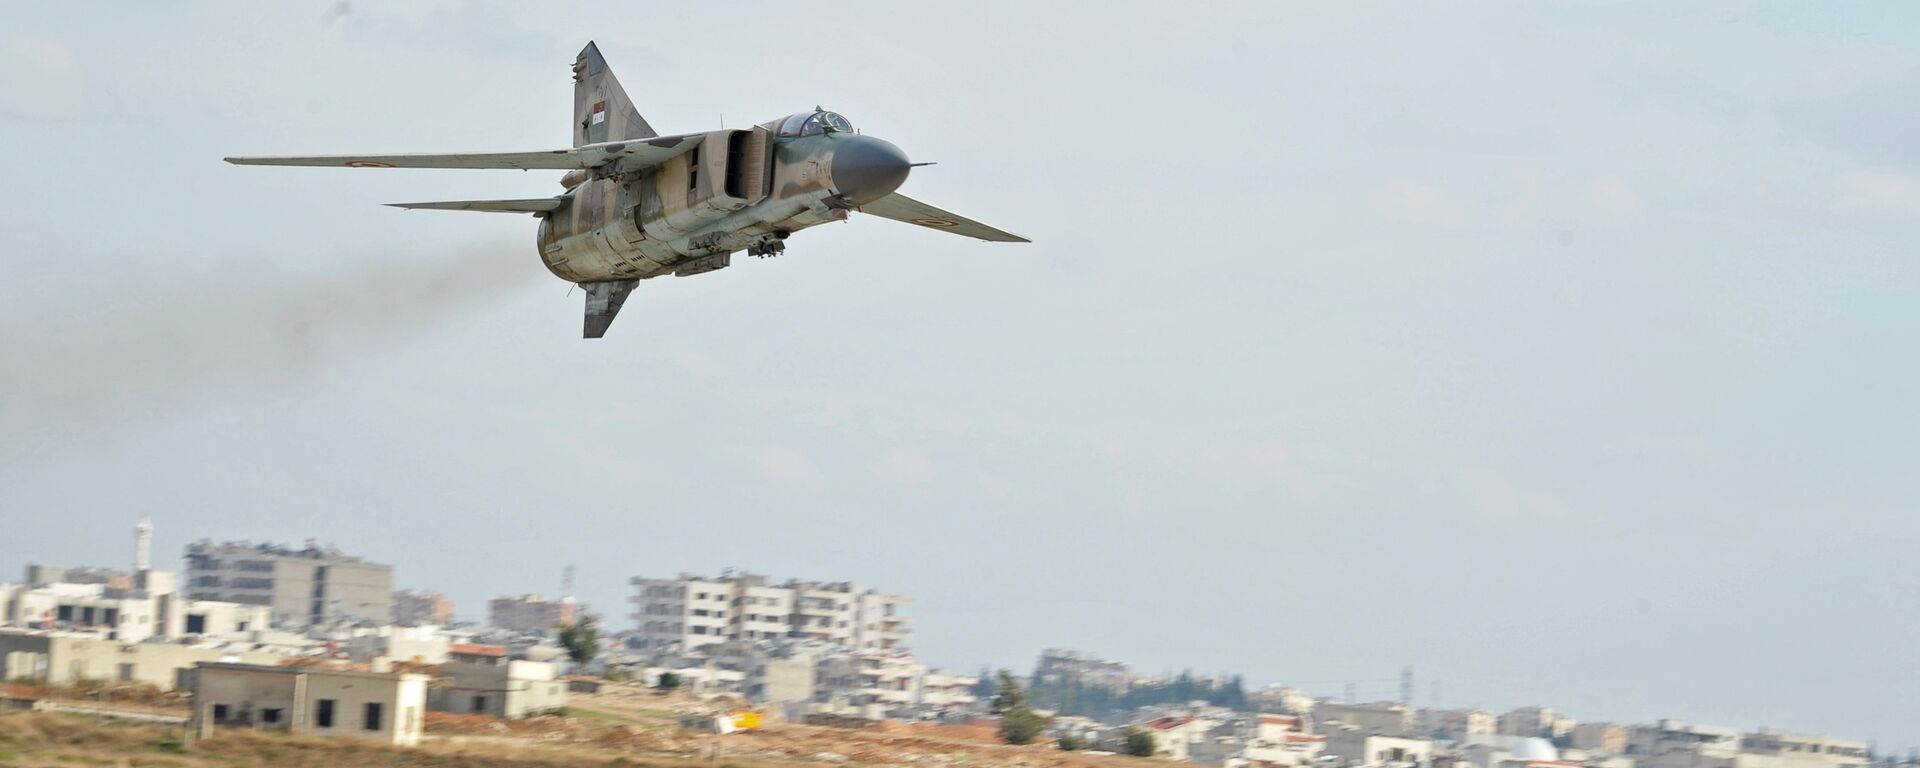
[1278,740]
[302,587]
[1600,738]
[41,574]
[1283,698]
[1536,721]
[1679,744]
[1385,717]
[1768,748]
[530,613]
[1459,724]
[500,688]
[1174,736]
[422,645]
[783,680]
[63,658]
[414,608]
[887,679]
[382,706]
[122,606]
[119,613]
[692,611]
[125,615]
[1355,746]
[941,690]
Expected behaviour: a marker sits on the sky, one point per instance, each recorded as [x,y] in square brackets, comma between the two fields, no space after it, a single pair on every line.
[1562,352]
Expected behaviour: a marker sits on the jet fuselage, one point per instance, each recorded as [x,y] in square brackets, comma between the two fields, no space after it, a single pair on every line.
[736,190]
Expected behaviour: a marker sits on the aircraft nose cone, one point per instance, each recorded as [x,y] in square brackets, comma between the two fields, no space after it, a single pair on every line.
[866,169]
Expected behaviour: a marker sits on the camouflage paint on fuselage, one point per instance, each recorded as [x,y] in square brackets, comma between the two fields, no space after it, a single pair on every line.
[639,205]
[694,207]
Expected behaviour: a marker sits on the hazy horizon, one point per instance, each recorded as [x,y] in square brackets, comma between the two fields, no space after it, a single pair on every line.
[1561,352]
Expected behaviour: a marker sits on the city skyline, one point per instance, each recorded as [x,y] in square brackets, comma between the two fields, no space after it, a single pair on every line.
[1359,690]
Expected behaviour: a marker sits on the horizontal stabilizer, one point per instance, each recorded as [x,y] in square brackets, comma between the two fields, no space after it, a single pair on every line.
[899,207]
[637,153]
[534,205]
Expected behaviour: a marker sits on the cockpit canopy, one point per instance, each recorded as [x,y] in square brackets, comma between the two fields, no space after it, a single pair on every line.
[814,123]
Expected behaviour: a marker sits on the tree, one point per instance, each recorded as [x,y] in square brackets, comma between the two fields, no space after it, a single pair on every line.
[582,640]
[668,681]
[1021,725]
[1140,743]
[1233,695]
[1008,697]
[1069,742]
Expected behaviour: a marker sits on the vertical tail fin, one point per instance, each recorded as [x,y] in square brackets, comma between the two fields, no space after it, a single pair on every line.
[601,109]
[603,303]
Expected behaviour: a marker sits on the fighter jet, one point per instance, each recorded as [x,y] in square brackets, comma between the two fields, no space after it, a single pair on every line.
[640,205]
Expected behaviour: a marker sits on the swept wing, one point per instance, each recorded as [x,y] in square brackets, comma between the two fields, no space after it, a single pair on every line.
[899,207]
[533,205]
[633,154]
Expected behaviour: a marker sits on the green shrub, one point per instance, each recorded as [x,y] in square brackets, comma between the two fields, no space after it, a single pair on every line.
[1141,743]
[1021,725]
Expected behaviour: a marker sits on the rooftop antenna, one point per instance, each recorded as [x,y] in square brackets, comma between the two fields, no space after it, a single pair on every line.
[566,583]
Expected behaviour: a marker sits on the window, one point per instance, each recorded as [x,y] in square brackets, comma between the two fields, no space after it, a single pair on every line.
[323,713]
[270,716]
[794,124]
[126,673]
[219,713]
[479,704]
[814,123]
[372,720]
